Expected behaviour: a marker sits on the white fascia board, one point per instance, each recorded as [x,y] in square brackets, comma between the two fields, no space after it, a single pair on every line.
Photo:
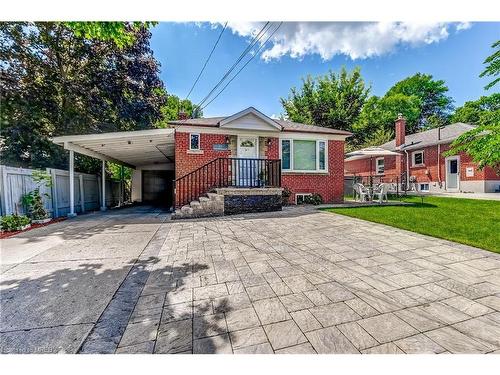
[94,154]
[253,111]
[281,135]
[113,135]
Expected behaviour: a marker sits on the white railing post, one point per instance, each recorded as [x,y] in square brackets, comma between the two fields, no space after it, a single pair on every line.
[103,186]
[71,184]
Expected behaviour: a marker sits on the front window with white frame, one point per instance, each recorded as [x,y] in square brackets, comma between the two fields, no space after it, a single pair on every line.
[424,187]
[417,158]
[304,155]
[194,141]
[379,166]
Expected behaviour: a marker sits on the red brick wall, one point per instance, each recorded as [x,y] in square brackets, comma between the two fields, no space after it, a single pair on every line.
[330,186]
[187,161]
[426,173]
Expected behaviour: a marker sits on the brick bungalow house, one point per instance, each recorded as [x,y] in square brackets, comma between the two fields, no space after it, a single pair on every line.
[304,159]
[421,160]
[249,157]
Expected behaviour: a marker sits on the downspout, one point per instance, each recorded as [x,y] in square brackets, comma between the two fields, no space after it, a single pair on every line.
[439,164]
[439,156]
[407,169]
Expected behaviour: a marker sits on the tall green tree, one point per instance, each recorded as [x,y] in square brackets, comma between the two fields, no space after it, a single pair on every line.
[333,100]
[482,144]
[120,33]
[492,66]
[55,81]
[173,106]
[380,113]
[435,105]
[478,112]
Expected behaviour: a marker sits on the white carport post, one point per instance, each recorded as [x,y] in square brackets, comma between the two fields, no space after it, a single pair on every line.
[72,212]
[103,184]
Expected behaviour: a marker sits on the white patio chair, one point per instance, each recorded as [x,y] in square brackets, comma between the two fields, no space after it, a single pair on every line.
[361,192]
[381,192]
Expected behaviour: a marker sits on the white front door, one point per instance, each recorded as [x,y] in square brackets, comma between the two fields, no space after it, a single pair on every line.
[246,171]
[453,173]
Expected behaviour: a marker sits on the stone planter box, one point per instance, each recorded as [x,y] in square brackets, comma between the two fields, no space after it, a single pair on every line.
[248,200]
[41,221]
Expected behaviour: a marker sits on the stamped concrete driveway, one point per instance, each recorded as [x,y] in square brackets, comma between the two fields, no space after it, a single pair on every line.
[298,281]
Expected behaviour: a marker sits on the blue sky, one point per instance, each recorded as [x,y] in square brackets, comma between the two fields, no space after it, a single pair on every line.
[449,52]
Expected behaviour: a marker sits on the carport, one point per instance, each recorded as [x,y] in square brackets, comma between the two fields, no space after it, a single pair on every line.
[148,152]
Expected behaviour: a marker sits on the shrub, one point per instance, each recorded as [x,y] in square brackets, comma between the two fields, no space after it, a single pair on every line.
[285,196]
[14,222]
[313,199]
[32,201]
[34,204]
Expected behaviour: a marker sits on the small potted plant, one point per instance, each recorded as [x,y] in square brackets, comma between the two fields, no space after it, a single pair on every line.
[14,222]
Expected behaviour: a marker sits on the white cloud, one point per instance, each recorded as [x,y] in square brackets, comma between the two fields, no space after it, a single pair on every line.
[358,40]
[463,26]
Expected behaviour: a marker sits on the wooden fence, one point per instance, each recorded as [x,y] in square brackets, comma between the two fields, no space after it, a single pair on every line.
[15,182]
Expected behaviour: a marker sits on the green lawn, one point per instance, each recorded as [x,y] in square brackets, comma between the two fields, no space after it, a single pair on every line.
[469,221]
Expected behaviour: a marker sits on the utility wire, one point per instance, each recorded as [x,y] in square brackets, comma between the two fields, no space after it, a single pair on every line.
[244,65]
[257,37]
[207,60]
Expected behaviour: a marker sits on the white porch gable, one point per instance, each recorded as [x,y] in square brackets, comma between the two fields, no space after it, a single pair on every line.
[250,119]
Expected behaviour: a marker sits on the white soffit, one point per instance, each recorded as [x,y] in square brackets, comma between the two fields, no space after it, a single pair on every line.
[131,148]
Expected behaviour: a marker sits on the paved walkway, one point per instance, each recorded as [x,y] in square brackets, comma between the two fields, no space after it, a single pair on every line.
[481,196]
[299,281]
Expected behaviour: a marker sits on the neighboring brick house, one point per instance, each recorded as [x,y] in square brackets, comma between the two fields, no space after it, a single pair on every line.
[311,157]
[428,167]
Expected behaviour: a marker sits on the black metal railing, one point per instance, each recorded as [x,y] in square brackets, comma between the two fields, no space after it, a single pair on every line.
[226,172]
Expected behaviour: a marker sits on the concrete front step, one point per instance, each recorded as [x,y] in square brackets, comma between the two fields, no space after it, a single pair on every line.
[211,205]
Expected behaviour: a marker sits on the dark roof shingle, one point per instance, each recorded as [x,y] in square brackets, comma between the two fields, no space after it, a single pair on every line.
[288,126]
[430,137]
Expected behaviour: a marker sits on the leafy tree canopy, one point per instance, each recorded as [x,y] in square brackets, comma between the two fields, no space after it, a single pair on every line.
[492,66]
[121,33]
[379,114]
[479,111]
[333,100]
[482,144]
[56,82]
[435,105]
[173,106]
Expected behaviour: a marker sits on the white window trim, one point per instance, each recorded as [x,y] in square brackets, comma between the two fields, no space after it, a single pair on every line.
[199,142]
[301,194]
[317,170]
[413,158]
[376,166]
[424,183]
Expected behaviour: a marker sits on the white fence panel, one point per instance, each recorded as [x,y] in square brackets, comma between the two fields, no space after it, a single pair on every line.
[15,182]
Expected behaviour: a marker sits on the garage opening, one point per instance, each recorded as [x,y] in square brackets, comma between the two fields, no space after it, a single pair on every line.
[157,188]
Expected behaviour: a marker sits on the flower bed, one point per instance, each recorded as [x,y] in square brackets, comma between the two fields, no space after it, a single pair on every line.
[6,234]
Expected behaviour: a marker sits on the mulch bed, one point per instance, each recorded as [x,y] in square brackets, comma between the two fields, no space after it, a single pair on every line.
[5,234]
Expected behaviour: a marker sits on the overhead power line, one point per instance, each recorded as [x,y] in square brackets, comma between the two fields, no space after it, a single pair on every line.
[254,41]
[207,60]
[244,65]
